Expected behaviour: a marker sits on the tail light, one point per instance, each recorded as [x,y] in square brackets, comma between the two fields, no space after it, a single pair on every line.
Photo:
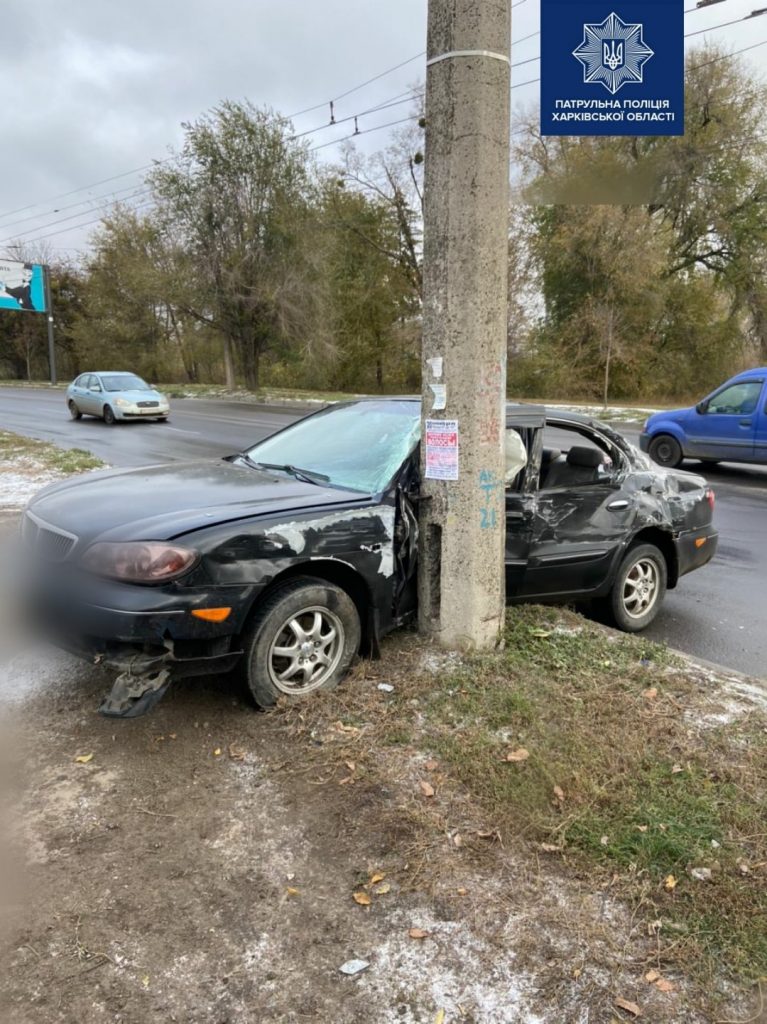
[710,497]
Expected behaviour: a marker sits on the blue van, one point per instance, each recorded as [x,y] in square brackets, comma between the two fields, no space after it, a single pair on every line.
[730,425]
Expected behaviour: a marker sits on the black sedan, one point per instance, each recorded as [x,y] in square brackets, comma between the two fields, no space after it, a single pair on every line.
[286,560]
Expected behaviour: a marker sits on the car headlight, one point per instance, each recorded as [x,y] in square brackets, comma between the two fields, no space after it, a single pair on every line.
[140,561]
[123,403]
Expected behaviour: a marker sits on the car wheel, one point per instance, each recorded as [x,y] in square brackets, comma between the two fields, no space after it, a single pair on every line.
[74,412]
[303,638]
[108,414]
[639,588]
[666,451]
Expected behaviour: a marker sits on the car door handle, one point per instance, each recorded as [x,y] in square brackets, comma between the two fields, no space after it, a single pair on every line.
[746,423]
[616,506]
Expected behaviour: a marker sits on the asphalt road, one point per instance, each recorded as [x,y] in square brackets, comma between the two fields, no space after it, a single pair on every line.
[717,613]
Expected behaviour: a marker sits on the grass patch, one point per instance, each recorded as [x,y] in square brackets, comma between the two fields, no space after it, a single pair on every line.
[619,776]
[27,453]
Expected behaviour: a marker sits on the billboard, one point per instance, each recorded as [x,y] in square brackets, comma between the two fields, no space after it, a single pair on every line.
[22,286]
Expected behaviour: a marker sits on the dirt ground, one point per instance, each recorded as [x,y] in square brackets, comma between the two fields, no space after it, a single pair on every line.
[200,864]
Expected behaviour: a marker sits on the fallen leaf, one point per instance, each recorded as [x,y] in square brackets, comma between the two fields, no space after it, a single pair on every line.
[605,840]
[632,1008]
[461,892]
[550,848]
[559,793]
[346,781]
[517,755]
[642,828]
[377,877]
[362,898]
[381,890]
[426,788]
[492,834]
[292,892]
[351,766]
[650,694]
[677,769]
[236,753]
[664,986]
[458,839]
[744,868]
[172,735]
[83,758]
[440,1018]
[431,766]
[418,933]
[217,752]
[145,981]
[670,883]
[652,977]
[541,634]
[577,973]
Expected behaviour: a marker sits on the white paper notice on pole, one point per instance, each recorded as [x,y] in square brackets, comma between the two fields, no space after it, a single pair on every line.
[440,396]
[442,449]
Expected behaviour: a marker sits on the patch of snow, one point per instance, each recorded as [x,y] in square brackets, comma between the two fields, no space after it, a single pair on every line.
[451,968]
[20,482]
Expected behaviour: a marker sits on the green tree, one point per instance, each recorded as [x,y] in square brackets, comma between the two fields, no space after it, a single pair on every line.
[238,201]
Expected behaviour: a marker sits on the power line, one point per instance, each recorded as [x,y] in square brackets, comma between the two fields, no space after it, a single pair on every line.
[727,56]
[71,206]
[726,24]
[74,191]
[366,131]
[356,88]
[136,170]
[74,216]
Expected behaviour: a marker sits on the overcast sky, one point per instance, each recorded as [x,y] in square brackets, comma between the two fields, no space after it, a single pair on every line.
[96,88]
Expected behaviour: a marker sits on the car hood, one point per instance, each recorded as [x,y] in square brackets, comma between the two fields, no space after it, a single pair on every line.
[675,415]
[162,502]
[136,396]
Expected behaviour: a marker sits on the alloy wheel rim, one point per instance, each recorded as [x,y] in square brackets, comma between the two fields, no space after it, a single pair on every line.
[306,650]
[640,588]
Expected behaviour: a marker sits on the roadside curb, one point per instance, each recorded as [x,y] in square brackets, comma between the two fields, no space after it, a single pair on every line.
[720,670]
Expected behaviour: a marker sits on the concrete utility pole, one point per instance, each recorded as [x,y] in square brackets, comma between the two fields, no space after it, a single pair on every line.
[461,575]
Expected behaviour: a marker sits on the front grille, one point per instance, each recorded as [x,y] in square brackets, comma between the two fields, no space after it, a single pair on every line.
[148,405]
[46,541]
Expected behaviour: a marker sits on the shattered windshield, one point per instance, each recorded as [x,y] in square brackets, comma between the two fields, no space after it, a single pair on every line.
[358,446]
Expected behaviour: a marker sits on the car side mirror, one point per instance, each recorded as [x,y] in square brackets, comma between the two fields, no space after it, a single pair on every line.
[702,407]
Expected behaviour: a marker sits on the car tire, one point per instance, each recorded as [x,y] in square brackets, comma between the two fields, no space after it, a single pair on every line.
[297,620]
[666,451]
[639,588]
[108,415]
[74,412]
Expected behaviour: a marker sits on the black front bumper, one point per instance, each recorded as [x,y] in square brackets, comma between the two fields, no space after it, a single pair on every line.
[113,623]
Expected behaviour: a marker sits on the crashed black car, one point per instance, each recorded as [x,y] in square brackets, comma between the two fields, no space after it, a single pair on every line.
[286,560]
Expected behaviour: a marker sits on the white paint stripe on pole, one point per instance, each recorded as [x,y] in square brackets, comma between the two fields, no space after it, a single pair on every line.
[469,53]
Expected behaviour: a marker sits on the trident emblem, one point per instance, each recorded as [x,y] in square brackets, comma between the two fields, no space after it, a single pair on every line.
[612,54]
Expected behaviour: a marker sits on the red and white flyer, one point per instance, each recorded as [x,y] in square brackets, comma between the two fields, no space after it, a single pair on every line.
[442,449]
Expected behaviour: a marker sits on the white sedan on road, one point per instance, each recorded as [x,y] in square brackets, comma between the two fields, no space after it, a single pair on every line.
[113,395]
